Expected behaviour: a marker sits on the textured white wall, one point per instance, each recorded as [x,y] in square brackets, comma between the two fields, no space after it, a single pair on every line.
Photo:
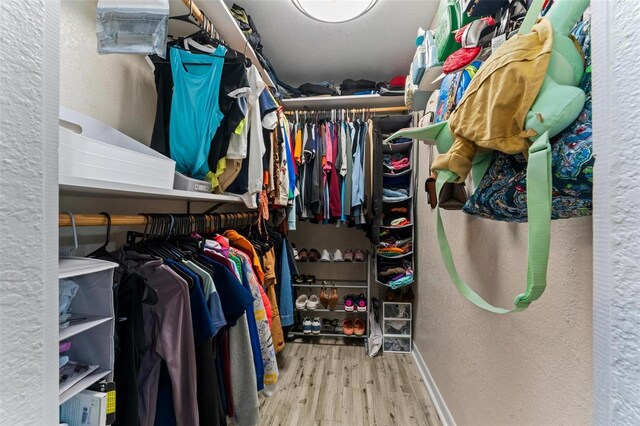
[28,205]
[616,116]
[529,368]
[116,89]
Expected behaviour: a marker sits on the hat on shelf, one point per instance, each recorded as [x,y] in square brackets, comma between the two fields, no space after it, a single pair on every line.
[469,36]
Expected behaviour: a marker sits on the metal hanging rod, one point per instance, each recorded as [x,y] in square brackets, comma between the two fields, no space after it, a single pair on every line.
[64,219]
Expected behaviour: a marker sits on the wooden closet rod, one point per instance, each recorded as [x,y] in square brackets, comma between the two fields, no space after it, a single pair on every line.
[131,220]
[386,109]
[195,11]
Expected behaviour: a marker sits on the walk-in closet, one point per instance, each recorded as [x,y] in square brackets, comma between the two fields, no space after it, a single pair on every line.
[319,213]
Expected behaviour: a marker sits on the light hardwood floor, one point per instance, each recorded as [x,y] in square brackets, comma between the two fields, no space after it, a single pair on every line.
[335,384]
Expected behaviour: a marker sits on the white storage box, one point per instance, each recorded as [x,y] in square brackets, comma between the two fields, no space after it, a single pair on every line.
[93,150]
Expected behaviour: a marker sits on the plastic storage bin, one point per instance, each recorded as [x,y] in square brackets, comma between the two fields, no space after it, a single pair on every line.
[396,327]
[397,344]
[91,149]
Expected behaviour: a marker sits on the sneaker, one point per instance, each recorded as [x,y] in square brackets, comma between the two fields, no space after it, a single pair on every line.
[313,302]
[337,256]
[361,303]
[326,257]
[348,255]
[316,326]
[301,302]
[349,303]
[306,326]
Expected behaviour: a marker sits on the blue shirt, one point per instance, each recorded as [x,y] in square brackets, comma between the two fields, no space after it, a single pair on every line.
[195,113]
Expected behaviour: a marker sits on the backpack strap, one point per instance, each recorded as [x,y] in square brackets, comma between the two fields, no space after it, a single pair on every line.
[531,17]
[539,214]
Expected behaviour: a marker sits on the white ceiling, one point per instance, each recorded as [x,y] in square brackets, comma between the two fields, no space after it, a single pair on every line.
[376,46]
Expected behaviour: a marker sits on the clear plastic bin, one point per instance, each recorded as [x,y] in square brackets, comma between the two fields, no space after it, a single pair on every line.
[397,310]
[397,327]
[397,344]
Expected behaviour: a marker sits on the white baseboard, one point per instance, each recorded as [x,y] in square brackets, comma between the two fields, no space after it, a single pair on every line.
[436,397]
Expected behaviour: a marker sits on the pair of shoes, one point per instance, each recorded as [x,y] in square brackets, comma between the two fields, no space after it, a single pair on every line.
[400,295]
[329,298]
[356,255]
[309,326]
[355,303]
[328,257]
[330,325]
[351,327]
[304,279]
[307,303]
[305,255]
[311,255]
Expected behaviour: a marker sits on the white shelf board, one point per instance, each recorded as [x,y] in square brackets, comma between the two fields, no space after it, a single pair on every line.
[334,102]
[74,266]
[83,384]
[92,187]
[83,325]
[226,26]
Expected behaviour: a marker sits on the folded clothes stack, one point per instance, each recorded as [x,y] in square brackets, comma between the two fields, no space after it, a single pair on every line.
[394,194]
[358,87]
[396,216]
[324,88]
[396,275]
[392,247]
[400,140]
[396,163]
[395,87]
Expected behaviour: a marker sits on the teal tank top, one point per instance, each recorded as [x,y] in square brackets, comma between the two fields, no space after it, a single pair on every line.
[195,113]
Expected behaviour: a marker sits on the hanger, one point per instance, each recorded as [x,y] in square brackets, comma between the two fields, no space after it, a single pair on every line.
[75,234]
[102,250]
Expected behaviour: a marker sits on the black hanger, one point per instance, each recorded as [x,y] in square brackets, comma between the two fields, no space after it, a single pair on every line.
[102,250]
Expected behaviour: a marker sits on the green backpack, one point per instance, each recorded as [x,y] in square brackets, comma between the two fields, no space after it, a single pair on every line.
[450,19]
[560,102]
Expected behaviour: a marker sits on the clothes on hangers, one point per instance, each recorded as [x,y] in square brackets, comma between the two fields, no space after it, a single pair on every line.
[329,159]
[205,346]
[195,114]
[241,142]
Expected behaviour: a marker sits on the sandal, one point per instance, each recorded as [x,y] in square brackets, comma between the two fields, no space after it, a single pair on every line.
[310,279]
[361,303]
[299,279]
[358,327]
[349,303]
[347,327]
